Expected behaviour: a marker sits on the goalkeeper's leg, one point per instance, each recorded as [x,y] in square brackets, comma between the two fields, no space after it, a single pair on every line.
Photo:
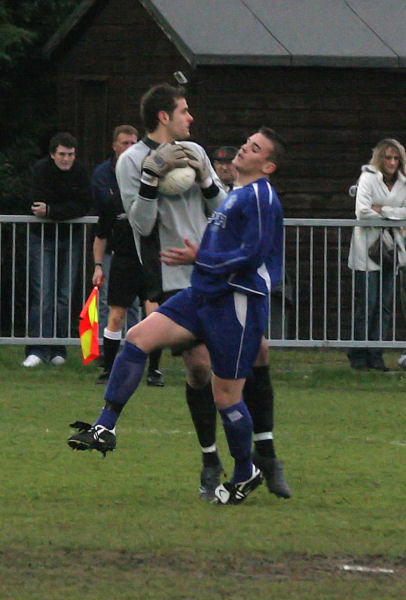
[259,397]
[199,398]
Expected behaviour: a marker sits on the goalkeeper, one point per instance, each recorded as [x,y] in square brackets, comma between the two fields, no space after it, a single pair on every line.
[161,222]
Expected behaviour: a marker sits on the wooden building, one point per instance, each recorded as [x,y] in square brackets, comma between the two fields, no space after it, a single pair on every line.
[329,76]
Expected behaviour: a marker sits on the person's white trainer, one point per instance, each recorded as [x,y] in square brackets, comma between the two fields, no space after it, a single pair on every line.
[402,361]
[32,360]
[235,493]
[57,361]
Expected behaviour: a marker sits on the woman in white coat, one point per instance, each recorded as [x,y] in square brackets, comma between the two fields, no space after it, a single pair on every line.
[381,192]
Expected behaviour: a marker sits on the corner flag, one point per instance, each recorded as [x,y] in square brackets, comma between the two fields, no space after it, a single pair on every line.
[89,328]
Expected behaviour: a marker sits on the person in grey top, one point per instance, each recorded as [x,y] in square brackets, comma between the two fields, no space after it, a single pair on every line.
[160,222]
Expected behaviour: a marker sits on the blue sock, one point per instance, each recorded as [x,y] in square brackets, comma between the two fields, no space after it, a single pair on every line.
[237,425]
[108,418]
[126,374]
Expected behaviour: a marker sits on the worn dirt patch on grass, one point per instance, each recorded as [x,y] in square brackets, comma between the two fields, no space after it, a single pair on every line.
[294,566]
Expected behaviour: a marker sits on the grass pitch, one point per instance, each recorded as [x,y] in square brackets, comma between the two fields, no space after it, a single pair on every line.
[131,526]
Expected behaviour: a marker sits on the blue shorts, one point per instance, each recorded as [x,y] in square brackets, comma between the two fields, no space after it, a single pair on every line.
[231,326]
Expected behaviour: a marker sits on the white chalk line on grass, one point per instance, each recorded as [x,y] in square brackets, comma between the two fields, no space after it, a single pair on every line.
[163,432]
[368,570]
[180,432]
[378,441]
[149,431]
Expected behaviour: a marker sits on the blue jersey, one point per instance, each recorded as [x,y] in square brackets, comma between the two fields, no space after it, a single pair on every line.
[242,246]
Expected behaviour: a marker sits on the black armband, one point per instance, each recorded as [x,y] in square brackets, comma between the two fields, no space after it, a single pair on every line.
[149,185]
[211,191]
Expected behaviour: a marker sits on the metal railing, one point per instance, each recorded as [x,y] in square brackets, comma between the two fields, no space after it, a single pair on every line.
[15,279]
[316,303]
[314,306]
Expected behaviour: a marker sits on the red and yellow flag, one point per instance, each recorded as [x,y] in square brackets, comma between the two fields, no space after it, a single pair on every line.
[89,328]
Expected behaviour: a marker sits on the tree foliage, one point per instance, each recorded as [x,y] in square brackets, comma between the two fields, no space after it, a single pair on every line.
[27,104]
[26,25]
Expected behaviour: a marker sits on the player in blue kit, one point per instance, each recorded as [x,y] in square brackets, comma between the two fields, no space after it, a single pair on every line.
[226,307]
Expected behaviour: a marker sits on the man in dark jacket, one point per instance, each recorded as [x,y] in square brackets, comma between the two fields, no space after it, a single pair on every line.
[60,191]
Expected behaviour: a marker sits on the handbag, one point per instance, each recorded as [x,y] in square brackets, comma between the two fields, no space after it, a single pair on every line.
[388,249]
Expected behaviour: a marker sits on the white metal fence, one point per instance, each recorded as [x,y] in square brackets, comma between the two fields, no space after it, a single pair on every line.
[15,282]
[317,302]
[314,305]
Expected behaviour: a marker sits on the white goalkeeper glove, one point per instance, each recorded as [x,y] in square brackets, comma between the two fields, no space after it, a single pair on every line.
[165,158]
[198,163]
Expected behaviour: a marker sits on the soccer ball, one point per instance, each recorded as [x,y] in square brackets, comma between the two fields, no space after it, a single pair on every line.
[177,181]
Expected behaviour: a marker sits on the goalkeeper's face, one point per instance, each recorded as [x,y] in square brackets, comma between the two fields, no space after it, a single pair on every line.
[180,121]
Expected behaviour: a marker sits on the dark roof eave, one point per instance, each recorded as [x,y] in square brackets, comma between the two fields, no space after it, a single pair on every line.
[240,60]
[355,62]
[192,56]
[67,26]
[382,62]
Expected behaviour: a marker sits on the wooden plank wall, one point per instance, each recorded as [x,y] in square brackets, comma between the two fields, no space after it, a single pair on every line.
[330,118]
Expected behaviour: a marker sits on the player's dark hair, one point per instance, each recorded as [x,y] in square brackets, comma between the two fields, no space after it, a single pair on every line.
[160,97]
[127,129]
[279,145]
[62,139]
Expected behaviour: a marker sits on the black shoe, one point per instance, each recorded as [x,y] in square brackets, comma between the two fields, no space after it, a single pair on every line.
[360,364]
[155,378]
[272,470]
[103,378]
[209,481]
[235,493]
[92,437]
[377,365]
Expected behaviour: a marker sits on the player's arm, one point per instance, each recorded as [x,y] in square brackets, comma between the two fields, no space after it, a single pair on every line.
[250,251]
[103,231]
[139,184]
[206,176]
[99,249]
[141,212]
[217,198]
[174,257]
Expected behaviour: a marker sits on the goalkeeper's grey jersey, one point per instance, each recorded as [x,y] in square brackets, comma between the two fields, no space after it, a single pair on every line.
[177,216]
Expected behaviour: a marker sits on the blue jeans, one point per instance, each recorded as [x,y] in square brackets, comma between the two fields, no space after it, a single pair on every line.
[368,324]
[53,272]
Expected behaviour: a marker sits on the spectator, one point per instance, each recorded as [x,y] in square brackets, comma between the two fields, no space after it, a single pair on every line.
[60,191]
[381,192]
[223,165]
[402,287]
[104,188]
[113,229]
